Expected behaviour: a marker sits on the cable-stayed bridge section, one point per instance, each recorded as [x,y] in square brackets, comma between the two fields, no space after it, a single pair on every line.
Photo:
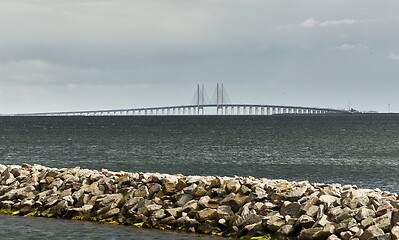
[201,105]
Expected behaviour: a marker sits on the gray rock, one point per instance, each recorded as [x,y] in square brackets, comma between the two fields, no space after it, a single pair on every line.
[141,192]
[225,212]
[251,219]
[312,211]
[235,201]
[232,185]
[186,221]
[346,235]
[290,208]
[309,233]
[338,214]
[395,217]
[355,199]
[110,199]
[384,221]
[259,194]
[254,228]
[304,221]
[345,225]
[273,223]
[169,184]
[328,199]
[191,206]
[154,188]
[295,193]
[206,214]
[367,222]
[395,233]
[386,236]
[175,212]
[286,230]
[370,232]
[183,199]
[215,182]
[159,214]
[322,221]
[85,209]
[326,232]
[333,237]
[363,213]
[311,202]
[199,192]
[384,208]
[245,190]
[110,213]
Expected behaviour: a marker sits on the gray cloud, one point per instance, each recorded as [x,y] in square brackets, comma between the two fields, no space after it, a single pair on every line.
[393,56]
[70,55]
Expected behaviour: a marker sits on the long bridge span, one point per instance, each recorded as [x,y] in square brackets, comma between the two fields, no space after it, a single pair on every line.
[200,107]
[226,109]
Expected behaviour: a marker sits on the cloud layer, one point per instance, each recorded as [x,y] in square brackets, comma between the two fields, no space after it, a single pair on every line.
[71,55]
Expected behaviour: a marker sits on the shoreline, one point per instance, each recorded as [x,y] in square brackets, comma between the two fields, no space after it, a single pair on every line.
[239,207]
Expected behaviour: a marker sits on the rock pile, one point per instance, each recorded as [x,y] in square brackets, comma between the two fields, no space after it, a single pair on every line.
[228,206]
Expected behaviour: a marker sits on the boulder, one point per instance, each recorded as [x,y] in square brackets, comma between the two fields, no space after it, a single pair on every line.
[110,213]
[363,213]
[183,199]
[355,198]
[191,206]
[309,233]
[199,192]
[346,235]
[206,214]
[385,236]
[235,201]
[142,192]
[232,185]
[395,233]
[295,193]
[224,212]
[169,184]
[384,221]
[286,230]
[159,214]
[328,199]
[290,208]
[273,223]
[304,221]
[370,232]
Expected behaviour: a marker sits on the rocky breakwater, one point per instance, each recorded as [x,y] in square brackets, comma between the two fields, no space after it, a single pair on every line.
[227,206]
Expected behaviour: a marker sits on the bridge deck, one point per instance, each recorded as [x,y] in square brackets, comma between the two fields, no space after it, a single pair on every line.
[225,109]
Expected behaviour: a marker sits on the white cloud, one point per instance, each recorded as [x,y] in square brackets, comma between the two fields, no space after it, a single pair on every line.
[330,23]
[393,56]
[309,23]
[347,46]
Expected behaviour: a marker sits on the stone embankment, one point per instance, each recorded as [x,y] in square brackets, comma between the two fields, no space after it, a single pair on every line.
[227,206]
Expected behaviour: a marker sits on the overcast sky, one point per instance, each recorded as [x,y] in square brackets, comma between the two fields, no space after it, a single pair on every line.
[65,55]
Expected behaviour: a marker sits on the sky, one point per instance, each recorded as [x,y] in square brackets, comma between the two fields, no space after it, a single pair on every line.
[71,55]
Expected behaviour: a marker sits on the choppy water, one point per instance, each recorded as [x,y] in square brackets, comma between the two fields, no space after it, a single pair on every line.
[355,149]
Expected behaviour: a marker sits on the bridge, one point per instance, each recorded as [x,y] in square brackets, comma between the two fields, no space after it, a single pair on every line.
[201,106]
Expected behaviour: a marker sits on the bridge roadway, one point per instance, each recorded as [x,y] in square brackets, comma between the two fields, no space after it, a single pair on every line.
[225,109]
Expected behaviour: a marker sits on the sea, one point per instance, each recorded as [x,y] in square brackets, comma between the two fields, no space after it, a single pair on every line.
[357,149]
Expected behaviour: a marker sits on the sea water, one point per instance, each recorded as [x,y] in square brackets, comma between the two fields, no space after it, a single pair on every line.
[361,149]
